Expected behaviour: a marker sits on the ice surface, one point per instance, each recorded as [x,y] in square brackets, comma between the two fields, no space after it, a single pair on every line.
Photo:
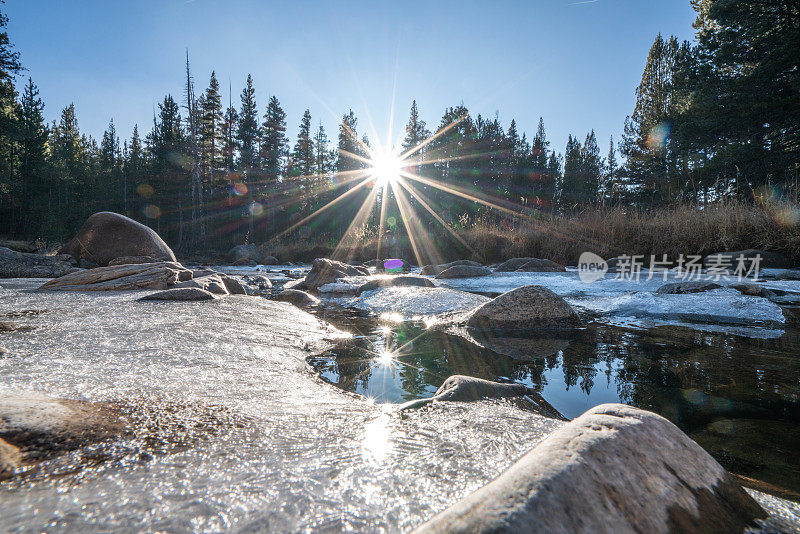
[418,301]
[314,457]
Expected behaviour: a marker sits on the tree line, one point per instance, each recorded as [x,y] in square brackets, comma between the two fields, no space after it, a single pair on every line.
[713,119]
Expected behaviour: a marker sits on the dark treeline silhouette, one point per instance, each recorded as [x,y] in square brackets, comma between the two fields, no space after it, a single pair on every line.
[713,120]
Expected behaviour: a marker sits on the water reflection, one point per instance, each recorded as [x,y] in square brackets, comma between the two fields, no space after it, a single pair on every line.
[738,397]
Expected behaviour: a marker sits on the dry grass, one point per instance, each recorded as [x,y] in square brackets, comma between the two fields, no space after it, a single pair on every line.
[608,232]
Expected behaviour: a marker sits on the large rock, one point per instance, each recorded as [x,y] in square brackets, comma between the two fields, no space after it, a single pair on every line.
[395,281]
[121,277]
[19,246]
[525,308]
[530,265]
[107,235]
[769,260]
[682,288]
[301,299]
[213,283]
[613,469]
[464,271]
[460,388]
[182,294]
[433,270]
[245,254]
[132,260]
[23,265]
[325,271]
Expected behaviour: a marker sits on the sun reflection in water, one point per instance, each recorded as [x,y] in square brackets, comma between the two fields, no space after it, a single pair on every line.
[376,446]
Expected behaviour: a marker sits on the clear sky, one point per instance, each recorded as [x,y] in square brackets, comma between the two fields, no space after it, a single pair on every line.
[575,63]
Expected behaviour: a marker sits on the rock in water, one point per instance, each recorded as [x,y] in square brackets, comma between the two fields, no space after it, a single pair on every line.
[753,290]
[526,308]
[183,293]
[395,281]
[613,469]
[244,254]
[213,283]
[325,271]
[107,235]
[301,299]
[121,277]
[464,271]
[681,288]
[10,459]
[459,388]
[433,270]
[23,265]
[530,265]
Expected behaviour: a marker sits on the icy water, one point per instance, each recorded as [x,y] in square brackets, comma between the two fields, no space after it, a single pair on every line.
[724,367]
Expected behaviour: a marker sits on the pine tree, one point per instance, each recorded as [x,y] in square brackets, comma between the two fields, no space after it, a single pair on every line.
[416,132]
[591,169]
[274,143]
[247,128]
[109,179]
[212,129]
[303,155]
[135,162]
[348,144]
[230,128]
[322,156]
[611,189]
[32,170]
[572,191]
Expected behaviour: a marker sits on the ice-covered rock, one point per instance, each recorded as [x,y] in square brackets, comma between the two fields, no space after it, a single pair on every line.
[525,308]
[410,302]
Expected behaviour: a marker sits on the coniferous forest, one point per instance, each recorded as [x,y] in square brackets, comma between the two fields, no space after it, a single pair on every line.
[715,119]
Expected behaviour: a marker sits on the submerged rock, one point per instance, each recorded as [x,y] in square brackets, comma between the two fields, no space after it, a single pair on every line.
[395,281]
[753,290]
[10,459]
[325,271]
[183,293]
[530,265]
[464,271]
[41,426]
[613,469]
[107,235]
[24,265]
[121,277]
[526,308]
[682,288]
[301,299]
[460,388]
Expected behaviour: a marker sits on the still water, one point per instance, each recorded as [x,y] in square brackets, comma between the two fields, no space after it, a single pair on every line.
[738,397]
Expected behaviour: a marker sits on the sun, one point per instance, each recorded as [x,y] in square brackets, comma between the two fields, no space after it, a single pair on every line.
[386,166]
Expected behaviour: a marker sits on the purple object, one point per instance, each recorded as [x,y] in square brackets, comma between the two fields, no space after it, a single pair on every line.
[393,265]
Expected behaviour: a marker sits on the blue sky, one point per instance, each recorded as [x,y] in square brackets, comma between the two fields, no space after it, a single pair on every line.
[576,64]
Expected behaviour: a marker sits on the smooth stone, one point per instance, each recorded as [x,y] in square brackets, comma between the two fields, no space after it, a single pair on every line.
[752,290]
[681,288]
[121,277]
[233,285]
[244,253]
[395,281]
[269,260]
[433,270]
[301,299]
[19,246]
[299,284]
[106,236]
[530,265]
[614,469]
[464,271]
[183,294]
[24,265]
[325,271]
[525,308]
[83,263]
[213,283]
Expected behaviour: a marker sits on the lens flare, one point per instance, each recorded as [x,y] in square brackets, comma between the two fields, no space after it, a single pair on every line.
[386,166]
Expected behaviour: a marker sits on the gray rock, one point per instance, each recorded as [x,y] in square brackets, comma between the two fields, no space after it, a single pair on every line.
[121,277]
[526,308]
[530,265]
[301,299]
[183,294]
[460,388]
[681,288]
[269,260]
[433,270]
[244,253]
[106,236]
[613,469]
[234,286]
[395,281]
[24,265]
[325,271]
[10,459]
[769,260]
[20,246]
[132,260]
[464,271]
[789,274]
[753,290]
[213,283]
[83,263]
[299,284]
